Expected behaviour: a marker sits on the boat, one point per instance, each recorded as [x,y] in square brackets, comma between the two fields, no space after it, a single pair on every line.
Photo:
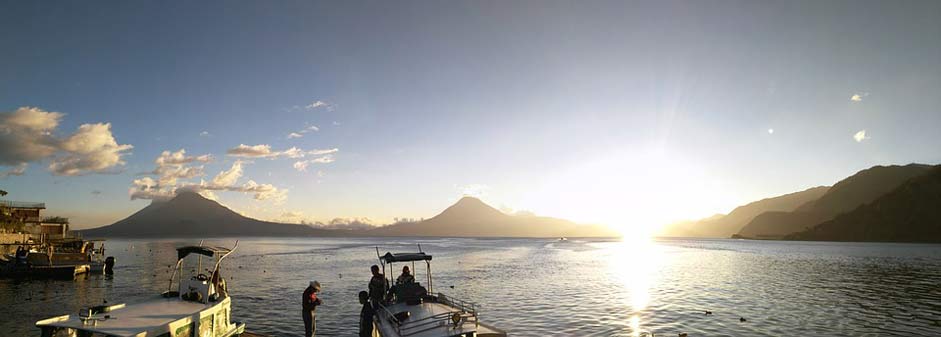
[200,306]
[61,258]
[416,311]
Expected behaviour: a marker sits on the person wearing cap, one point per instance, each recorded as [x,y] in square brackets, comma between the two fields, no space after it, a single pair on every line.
[309,303]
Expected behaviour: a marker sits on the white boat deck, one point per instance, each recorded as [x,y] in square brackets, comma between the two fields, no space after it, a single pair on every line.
[430,320]
[133,319]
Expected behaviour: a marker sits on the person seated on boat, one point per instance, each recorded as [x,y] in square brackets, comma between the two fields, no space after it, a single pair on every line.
[21,254]
[378,286]
[309,303]
[365,315]
[405,278]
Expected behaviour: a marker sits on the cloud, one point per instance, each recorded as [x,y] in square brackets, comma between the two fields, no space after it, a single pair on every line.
[28,135]
[860,136]
[858,97]
[320,104]
[292,215]
[180,158]
[303,164]
[345,223]
[229,177]
[96,192]
[148,188]
[173,166]
[205,134]
[474,190]
[301,133]
[264,151]
[91,149]
[17,170]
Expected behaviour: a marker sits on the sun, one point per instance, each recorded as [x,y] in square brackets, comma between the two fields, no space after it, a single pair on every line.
[635,193]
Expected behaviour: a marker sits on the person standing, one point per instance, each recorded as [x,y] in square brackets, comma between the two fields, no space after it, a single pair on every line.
[365,315]
[377,287]
[309,304]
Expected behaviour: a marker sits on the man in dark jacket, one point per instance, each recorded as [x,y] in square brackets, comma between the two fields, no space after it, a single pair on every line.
[378,286]
[309,303]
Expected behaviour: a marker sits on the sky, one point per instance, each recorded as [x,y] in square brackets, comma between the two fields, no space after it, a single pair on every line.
[624,113]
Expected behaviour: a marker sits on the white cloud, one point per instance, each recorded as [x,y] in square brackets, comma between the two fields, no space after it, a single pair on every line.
[28,135]
[180,158]
[229,177]
[264,151]
[301,133]
[255,151]
[91,149]
[324,160]
[148,188]
[323,152]
[859,97]
[204,134]
[172,166]
[303,164]
[860,136]
[320,104]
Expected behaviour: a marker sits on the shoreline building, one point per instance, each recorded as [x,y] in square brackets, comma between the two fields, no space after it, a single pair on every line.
[35,226]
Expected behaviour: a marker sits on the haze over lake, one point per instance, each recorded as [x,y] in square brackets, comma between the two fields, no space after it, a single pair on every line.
[538,287]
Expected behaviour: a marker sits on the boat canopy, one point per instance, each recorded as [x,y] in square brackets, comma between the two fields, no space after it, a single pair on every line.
[405,257]
[209,251]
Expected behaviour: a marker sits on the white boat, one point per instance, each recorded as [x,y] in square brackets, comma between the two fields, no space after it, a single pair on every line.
[200,307]
[415,311]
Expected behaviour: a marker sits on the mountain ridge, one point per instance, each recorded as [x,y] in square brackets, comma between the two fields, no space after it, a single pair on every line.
[909,213]
[190,214]
[851,192]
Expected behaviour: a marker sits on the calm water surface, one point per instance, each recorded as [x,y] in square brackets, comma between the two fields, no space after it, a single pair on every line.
[544,287]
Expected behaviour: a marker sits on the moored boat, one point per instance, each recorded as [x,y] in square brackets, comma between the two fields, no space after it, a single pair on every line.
[200,306]
[416,311]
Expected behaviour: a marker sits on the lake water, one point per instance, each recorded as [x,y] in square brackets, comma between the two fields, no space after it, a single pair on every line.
[534,287]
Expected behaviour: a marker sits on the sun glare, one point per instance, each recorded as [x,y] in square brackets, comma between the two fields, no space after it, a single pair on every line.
[636,193]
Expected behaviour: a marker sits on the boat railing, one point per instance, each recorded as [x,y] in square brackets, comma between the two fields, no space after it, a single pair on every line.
[432,322]
[465,306]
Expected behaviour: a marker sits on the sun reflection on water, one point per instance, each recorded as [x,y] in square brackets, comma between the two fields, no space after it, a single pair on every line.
[634,262]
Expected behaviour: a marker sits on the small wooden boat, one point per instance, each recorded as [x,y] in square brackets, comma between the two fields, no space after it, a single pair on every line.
[200,306]
[415,311]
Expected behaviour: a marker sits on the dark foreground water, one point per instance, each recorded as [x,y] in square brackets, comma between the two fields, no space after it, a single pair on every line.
[545,287]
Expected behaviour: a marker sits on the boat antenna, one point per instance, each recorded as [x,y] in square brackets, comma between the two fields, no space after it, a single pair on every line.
[199,260]
[379,257]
